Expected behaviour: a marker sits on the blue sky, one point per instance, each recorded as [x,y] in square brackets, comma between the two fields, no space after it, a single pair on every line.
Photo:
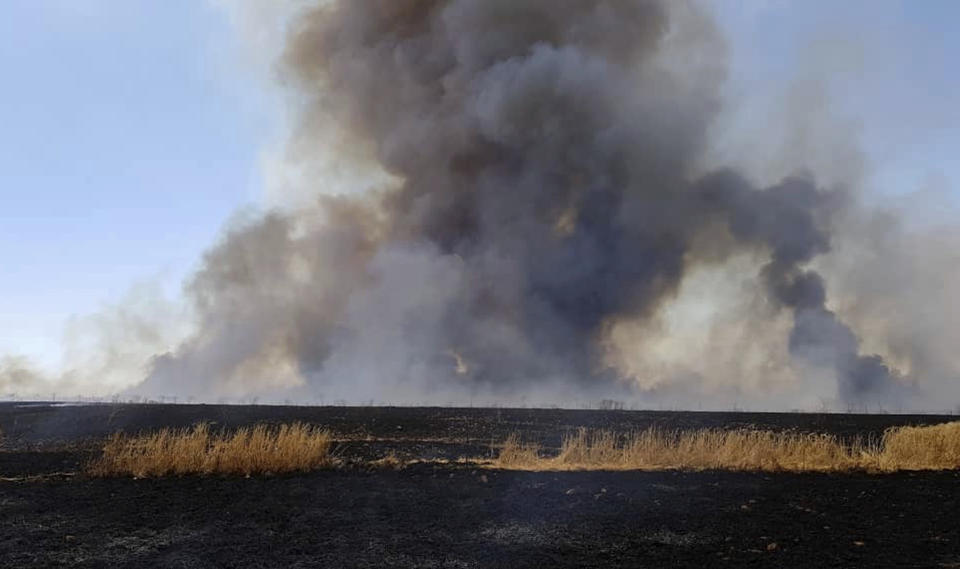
[130,130]
[890,70]
[127,137]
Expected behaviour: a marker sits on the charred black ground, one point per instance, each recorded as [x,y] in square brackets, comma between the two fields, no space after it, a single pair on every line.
[450,515]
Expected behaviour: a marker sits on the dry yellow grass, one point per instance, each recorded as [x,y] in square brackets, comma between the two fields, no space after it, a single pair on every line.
[389,462]
[298,448]
[922,448]
[902,448]
[516,453]
[257,450]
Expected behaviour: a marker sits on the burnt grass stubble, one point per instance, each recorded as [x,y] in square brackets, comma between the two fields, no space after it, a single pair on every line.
[453,514]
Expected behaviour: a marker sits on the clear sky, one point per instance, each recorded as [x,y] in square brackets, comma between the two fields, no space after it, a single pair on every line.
[127,136]
[130,130]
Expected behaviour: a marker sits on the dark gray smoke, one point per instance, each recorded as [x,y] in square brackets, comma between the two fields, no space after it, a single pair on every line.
[546,157]
[788,219]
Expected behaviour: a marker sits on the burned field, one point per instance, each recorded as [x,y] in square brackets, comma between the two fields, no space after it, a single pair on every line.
[445,509]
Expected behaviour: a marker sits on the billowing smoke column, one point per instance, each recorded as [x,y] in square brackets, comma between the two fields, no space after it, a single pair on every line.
[546,156]
[783,218]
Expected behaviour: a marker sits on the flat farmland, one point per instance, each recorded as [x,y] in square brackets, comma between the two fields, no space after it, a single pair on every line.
[446,508]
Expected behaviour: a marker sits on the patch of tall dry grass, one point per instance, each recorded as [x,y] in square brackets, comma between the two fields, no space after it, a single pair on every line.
[935,447]
[249,450]
[901,448]
[516,453]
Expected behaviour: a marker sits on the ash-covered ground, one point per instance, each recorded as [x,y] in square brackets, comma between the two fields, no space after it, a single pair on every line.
[456,514]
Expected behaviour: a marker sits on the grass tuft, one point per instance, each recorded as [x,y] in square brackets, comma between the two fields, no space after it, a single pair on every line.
[249,450]
[515,453]
[389,462]
[922,448]
[902,448]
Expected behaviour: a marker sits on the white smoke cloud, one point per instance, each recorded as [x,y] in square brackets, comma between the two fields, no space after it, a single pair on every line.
[104,352]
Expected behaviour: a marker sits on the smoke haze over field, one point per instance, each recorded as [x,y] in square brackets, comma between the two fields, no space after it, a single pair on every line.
[545,157]
[544,227]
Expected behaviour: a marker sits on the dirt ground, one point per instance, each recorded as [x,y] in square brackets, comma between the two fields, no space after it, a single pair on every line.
[457,515]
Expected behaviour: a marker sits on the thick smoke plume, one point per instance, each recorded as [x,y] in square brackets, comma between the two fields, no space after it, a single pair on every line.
[545,156]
